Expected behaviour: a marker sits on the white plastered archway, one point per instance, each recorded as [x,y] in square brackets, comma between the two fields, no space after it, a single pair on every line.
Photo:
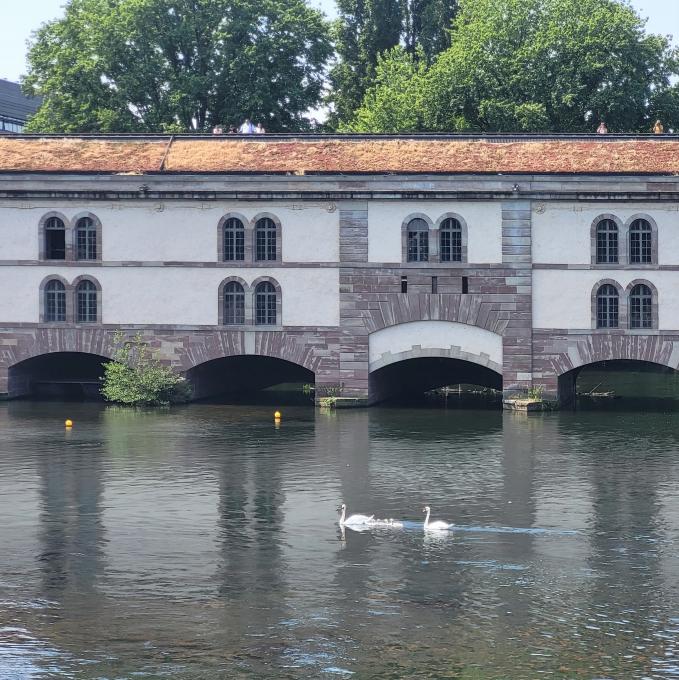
[418,339]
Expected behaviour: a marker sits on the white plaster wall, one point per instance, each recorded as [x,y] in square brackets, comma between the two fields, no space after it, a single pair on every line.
[484,223]
[174,231]
[562,298]
[562,233]
[173,295]
[434,335]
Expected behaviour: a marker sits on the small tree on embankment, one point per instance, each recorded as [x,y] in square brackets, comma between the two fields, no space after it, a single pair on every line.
[135,378]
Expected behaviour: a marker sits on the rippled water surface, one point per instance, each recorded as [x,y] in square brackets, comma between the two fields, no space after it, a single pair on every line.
[202,543]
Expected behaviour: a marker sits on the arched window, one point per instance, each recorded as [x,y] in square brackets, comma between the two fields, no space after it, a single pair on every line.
[234,240]
[55,239]
[86,302]
[607,307]
[86,239]
[450,240]
[641,307]
[607,242]
[265,304]
[55,301]
[418,240]
[234,304]
[640,242]
[265,239]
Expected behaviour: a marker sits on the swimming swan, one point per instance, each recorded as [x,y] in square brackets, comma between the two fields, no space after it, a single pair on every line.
[352,520]
[434,526]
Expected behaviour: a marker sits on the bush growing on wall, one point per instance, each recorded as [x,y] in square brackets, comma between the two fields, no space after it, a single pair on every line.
[135,378]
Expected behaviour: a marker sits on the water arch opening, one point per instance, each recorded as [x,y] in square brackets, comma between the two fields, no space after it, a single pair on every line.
[621,384]
[59,375]
[251,379]
[452,382]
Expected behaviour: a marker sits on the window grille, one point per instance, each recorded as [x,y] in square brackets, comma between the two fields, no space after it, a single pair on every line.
[55,301]
[86,302]
[450,238]
[234,240]
[607,307]
[265,239]
[265,304]
[55,239]
[418,241]
[640,242]
[641,307]
[607,242]
[86,239]
[234,304]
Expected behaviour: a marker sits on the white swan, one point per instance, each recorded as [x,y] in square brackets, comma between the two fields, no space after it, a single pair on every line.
[352,520]
[434,526]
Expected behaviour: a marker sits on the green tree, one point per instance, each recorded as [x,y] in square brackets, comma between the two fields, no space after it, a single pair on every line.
[366,29]
[541,65]
[135,378]
[177,65]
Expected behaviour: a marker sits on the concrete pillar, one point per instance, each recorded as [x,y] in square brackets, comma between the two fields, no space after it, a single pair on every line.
[517,261]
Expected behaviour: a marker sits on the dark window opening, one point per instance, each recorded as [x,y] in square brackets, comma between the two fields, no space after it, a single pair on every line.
[641,307]
[55,301]
[86,302]
[55,239]
[265,239]
[265,304]
[450,238]
[234,304]
[234,240]
[404,284]
[607,307]
[434,284]
[640,242]
[86,239]
[607,242]
[418,241]
[465,285]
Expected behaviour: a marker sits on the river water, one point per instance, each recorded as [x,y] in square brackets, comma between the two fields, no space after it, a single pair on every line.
[203,543]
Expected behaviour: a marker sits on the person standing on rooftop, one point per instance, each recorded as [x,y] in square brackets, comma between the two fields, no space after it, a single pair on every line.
[602,129]
[658,128]
[259,130]
[247,128]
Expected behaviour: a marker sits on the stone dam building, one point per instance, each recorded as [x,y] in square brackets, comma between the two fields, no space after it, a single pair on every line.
[370,265]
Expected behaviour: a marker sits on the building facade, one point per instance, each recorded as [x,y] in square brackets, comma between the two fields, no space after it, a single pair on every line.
[375,264]
[15,107]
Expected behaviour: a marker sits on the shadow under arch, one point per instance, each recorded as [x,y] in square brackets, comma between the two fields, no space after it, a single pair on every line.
[620,383]
[58,375]
[241,377]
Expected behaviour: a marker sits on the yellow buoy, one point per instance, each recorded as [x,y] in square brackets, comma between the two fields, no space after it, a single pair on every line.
[68,423]
[277,415]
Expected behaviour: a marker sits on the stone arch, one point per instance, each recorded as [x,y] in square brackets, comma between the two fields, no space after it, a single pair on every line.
[68,241]
[432,247]
[436,233]
[220,298]
[279,235]
[622,305]
[654,237]
[74,234]
[442,339]
[247,236]
[622,239]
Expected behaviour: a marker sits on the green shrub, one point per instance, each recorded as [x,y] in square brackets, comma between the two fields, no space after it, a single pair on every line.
[135,378]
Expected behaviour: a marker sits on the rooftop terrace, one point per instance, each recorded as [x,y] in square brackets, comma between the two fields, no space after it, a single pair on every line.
[342,154]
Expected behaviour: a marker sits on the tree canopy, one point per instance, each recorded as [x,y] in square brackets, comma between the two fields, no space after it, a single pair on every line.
[530,65]
[177,65]
[367,28]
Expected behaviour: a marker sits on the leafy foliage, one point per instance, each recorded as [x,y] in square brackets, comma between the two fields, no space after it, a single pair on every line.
[533,65]
[368,28]
[136,379]
[177,65]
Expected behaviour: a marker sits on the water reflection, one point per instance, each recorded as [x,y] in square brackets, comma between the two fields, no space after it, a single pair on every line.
[204,542]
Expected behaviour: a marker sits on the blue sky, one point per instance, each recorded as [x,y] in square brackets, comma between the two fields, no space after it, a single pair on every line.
[26,16]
